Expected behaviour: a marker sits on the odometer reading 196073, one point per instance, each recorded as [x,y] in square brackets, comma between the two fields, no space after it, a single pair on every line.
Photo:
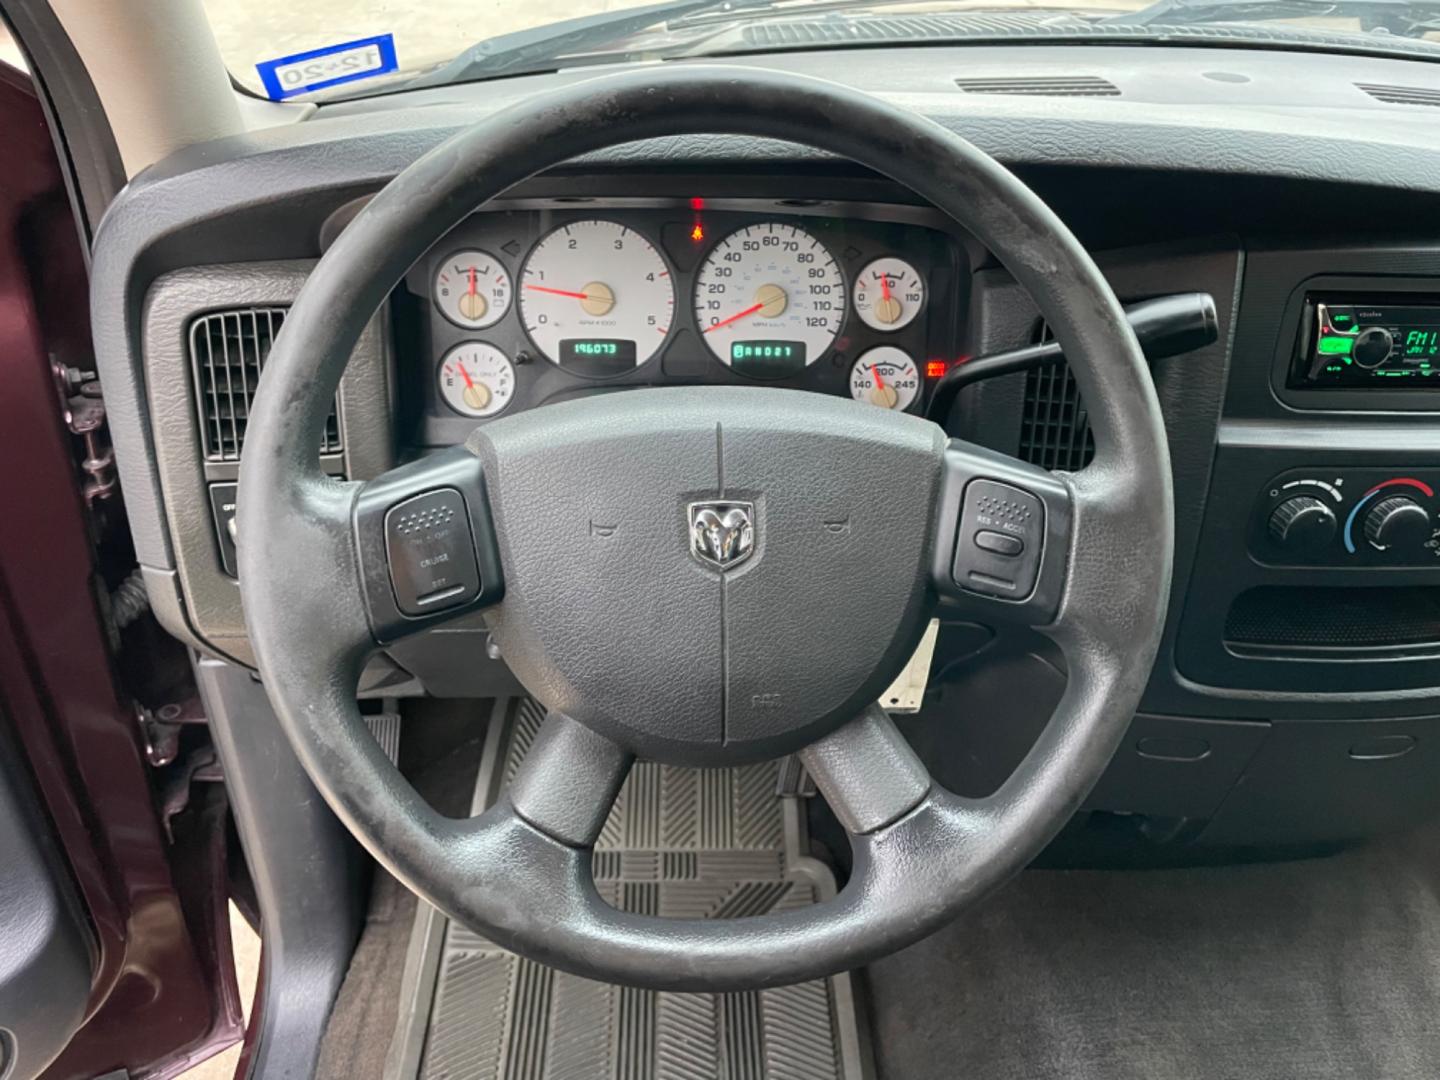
[769,299]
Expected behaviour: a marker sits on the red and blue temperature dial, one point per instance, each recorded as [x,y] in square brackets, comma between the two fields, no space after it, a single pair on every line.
[1393,516]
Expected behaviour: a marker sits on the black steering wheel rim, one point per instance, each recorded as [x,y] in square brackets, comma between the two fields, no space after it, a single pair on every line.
[520,873]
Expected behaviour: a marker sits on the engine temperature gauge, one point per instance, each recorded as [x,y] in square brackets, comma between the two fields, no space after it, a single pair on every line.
[476,379]
[472,289]
[885,376]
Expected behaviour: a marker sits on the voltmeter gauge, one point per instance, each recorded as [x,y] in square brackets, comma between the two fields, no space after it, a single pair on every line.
[889,293]
[885,376]
[476,379]
[472,289]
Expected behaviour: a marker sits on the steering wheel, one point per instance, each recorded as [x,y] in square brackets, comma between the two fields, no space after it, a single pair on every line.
[705,575]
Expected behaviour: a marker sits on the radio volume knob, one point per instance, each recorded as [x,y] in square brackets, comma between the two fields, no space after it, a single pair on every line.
[1372,347]
[1397,522]
[1302,523]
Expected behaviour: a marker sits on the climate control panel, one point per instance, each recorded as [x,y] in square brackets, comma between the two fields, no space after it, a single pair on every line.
[1349,517]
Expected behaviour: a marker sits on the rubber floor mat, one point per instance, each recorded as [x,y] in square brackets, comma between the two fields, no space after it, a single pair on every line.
[680,842]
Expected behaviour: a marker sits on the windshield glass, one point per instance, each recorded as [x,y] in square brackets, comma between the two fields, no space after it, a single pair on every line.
[323,49]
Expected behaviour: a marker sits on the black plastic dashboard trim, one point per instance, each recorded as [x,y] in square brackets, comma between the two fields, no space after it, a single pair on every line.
[266,195]
[261,195]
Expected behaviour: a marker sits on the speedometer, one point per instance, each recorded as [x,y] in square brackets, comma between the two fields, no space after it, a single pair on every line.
[596,297]
[769,300]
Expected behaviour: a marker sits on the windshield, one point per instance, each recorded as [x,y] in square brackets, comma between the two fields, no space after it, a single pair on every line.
[323,49]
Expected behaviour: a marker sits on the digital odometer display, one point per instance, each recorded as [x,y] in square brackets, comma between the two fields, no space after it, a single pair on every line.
[597,356]
[768,359]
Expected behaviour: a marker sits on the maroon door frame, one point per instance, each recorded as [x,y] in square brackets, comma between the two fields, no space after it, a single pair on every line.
[159,1001]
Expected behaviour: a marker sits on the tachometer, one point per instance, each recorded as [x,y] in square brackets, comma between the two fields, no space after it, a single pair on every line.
[596,297]
[769,299]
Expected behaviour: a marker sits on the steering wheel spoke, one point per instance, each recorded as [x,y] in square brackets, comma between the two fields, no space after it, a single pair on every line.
[1002,546]
[426,548]
[867,772]
[568,781]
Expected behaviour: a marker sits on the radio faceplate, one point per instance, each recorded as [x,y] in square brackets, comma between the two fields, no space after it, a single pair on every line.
[1367,342]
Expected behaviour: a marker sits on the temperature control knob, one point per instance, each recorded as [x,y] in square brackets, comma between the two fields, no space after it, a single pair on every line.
[1302,523]
[1397,522]
[1372,347]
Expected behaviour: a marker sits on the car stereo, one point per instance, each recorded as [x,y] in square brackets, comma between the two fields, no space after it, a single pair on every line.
[1350,342]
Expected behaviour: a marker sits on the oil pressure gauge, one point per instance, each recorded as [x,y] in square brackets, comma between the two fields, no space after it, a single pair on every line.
[476,379]
[472,289]
[889,293]
[885,376]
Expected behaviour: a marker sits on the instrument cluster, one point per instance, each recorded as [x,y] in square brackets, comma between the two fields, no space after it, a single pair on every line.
[524,306]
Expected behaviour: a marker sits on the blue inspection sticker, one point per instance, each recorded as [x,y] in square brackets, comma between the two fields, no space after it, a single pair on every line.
[333,65]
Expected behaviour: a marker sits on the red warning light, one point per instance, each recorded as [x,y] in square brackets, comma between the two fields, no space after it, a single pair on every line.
[934,368]
[697,204]
[697,233]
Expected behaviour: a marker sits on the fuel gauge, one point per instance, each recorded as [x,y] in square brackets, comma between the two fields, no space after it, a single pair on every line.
[476,379]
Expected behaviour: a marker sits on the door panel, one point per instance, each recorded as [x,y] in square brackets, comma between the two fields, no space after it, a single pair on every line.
[157,999]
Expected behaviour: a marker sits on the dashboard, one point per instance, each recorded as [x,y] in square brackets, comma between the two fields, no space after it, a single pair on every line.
[524,306]
[1295,693]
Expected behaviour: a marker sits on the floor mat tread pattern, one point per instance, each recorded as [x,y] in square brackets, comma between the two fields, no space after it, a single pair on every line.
[678,843]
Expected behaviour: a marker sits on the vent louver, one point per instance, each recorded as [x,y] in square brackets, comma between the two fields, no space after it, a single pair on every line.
[1401,95]
[1042,86]
[1055,425]
[935,26]
[228,350]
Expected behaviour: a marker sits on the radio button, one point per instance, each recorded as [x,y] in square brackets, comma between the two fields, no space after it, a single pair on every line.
[1373,347]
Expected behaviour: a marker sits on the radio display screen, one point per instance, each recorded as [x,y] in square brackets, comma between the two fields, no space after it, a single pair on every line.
[1354,343]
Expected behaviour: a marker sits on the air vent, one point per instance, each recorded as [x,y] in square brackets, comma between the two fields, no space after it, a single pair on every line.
[936,26]
[1043,86]
[1039,24]
[228,350]
[1054,425]
[1401,95]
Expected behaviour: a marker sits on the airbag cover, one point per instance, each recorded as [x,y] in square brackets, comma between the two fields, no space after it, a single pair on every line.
[610,616]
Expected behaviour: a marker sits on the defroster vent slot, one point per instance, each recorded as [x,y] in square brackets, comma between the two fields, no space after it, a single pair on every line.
[228,350]
[1041,86]
[1402,95]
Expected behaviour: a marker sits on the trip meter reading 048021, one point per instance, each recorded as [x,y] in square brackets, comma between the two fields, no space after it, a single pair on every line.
[596,297]
[769,299]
